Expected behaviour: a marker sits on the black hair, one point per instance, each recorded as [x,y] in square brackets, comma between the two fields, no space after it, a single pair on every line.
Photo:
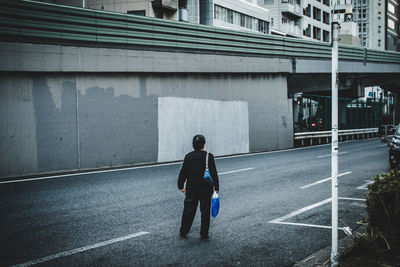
[198,142]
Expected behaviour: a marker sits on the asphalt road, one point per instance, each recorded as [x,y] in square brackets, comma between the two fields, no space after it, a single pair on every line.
[132,217]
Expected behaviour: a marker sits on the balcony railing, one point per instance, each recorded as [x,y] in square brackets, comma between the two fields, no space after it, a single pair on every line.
[169,5]
[291,10]
[290,29]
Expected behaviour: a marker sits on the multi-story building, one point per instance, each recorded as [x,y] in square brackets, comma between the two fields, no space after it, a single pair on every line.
[286,16]
[243,15]
[308,19]
[236,14]
[343,13]
[378,23]
[316,21]
[392,25]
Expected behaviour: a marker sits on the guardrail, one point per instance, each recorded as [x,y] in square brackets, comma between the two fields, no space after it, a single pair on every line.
[30,21]
[343,134]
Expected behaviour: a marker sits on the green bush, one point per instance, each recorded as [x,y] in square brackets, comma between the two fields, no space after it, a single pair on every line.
[383,207]
[380,244]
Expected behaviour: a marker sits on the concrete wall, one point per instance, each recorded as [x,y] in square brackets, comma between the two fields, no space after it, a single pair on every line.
[51,122]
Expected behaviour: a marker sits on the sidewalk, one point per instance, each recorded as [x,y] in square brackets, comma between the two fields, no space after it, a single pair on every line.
[322,257]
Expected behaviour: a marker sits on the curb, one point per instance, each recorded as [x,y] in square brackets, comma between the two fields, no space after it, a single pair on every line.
[323,256]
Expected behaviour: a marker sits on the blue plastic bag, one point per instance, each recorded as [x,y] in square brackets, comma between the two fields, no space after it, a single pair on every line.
[214,204]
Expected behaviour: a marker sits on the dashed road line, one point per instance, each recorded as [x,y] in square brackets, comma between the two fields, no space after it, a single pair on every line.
[365,186]
[81,249]
[325,156]
[322,181]
[234,171]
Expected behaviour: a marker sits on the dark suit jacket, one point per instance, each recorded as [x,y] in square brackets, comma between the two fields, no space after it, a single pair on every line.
[192,172]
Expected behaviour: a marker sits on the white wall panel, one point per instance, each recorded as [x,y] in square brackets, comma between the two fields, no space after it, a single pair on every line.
[225,124]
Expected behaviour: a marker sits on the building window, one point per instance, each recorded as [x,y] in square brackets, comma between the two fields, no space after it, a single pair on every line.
[239,19]
[316,33]
[137,12]
[325,36]
[326,18]
[391,24]
[307,11]
[307,31]
[391,8]
[316,13]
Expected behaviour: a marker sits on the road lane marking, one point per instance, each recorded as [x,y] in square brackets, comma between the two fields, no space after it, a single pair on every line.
[96,172]
[81,249]
[322,181]
[350,198]
[297,212]
[281,220]
[241,170]
[325,156]
[383,145]
[365,186]
[86,173]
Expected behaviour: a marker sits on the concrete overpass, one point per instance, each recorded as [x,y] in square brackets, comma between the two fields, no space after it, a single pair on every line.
[84,89]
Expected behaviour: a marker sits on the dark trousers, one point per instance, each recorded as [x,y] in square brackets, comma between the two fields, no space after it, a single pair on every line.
[189,211]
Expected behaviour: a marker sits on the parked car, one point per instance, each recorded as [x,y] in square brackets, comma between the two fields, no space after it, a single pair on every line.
[317,124]
[394,150]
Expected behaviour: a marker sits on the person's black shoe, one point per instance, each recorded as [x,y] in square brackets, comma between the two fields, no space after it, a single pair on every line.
[204,238]
[182,235]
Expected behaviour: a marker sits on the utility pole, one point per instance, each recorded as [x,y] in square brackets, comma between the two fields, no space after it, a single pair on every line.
[83,4]
[335,144]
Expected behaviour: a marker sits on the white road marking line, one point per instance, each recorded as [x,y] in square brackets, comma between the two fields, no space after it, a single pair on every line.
[304,224]
[280,220]
[350,198]
[382,145]
[241,170]
[78,250]
[325,156]
[297,212]
[86,173]
[365,186]
[310,225]
[322,181]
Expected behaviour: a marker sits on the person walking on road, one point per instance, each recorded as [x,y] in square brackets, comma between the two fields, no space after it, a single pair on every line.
[197,189]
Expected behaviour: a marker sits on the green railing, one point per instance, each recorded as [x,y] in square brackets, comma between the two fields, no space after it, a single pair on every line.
[25,21]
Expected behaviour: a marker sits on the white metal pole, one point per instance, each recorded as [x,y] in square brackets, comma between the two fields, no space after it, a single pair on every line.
[83,3]
[335,145]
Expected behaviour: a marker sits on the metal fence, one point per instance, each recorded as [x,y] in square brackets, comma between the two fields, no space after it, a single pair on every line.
[30,21]
[313,113]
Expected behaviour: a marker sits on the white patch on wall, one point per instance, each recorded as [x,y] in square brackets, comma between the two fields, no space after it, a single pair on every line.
[225,124]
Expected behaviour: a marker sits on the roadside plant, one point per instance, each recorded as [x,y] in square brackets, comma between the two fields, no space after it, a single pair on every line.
[383,207]
[380,244]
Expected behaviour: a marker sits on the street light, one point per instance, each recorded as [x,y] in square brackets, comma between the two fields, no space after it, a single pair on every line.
[335,144]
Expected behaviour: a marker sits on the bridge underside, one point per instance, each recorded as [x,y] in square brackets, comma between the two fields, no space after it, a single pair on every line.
[351,85]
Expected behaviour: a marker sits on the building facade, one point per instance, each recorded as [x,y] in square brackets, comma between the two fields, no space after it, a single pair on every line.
[392,25]
[309,19]
[244,15]
[343,13]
